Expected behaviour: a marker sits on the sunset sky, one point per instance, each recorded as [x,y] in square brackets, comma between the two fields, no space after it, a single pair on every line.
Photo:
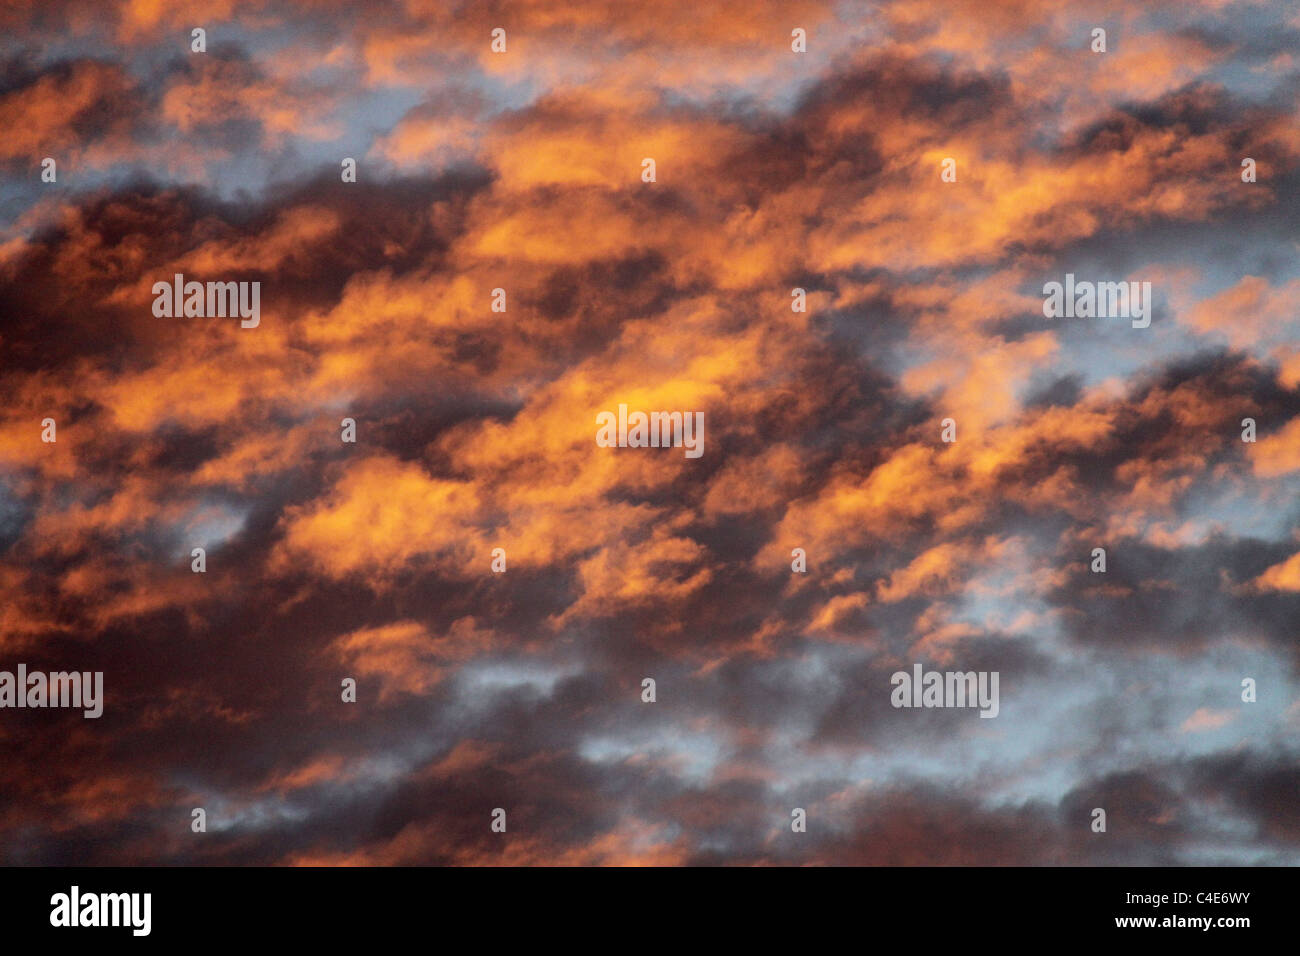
[522,690]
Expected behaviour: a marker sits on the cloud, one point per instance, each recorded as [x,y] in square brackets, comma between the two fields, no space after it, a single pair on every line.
[475,429]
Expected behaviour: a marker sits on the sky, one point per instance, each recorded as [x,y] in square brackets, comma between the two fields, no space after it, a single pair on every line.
[775,170]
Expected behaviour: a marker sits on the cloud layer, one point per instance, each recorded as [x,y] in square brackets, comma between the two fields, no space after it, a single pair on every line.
[775,170]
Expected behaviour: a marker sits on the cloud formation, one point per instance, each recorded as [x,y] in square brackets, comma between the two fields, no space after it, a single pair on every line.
[775,171]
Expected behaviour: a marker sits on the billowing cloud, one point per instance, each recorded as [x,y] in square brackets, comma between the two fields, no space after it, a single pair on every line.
[903,460]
